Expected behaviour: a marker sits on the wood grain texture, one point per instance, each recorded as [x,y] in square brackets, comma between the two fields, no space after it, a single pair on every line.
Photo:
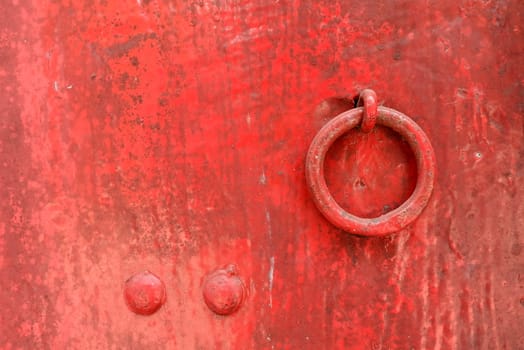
[170,136]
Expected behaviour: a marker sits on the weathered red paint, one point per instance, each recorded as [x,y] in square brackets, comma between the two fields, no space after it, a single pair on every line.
[144,293]
[224,291]
[392,220]
[171,136]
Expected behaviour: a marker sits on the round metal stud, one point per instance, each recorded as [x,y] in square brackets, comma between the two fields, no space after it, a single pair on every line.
[223,291]
[144,293]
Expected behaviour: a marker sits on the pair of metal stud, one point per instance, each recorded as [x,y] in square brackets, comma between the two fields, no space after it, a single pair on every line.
[223,292]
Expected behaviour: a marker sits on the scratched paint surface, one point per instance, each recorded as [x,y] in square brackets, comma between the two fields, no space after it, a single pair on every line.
[170,136]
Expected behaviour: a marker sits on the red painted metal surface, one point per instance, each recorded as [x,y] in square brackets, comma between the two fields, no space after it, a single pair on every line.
[392,220]
[171,136]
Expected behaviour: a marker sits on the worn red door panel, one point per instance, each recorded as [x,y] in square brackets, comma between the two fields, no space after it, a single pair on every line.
[171,137]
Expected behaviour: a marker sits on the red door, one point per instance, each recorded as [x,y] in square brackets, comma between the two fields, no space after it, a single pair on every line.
[171,137]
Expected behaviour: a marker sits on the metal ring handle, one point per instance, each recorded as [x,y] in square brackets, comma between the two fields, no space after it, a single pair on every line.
[394,220]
